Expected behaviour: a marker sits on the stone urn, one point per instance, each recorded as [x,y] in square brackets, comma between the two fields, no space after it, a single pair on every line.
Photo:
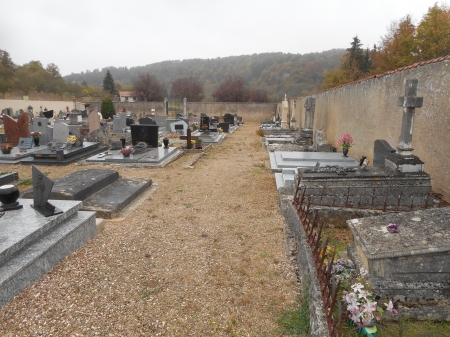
[8,197]
[36,141]
[345,151]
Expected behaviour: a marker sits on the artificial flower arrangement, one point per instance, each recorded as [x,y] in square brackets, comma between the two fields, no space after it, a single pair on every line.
[195,125]
[346,141]
[220,130]
[36,134]
[71,139]
[363,310]
[126,150]
[192,142]
[6,147]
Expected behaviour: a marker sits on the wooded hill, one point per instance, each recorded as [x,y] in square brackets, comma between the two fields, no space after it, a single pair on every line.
[277,73]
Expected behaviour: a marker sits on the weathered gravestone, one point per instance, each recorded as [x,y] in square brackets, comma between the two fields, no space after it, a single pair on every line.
[94,121]
[61,132]
[15,130]
[144,133]
[411,265]
[381,149]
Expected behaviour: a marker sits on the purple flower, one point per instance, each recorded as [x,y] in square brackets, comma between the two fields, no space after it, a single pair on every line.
[393,228]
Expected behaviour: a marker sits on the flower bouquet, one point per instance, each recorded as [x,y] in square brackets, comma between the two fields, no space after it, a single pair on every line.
[36,134]
[363,311]
[126,151]
[6,149]
[346,141]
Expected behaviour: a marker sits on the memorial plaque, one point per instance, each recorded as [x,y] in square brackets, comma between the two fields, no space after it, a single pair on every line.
[144,133]
[25,143]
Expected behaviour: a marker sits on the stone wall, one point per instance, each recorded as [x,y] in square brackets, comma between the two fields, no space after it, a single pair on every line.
[56,106]
[368,111]
[248,111]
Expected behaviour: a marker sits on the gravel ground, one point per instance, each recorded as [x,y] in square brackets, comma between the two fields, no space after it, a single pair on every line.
[204,255]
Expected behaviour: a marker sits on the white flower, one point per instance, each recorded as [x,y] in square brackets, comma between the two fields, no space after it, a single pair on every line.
[351,298]
[357,287]
[389,306]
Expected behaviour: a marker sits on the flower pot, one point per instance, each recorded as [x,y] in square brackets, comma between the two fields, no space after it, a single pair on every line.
[36,141]
[166,142]
[126,155]
[9,194]
[345,151]
[4,151]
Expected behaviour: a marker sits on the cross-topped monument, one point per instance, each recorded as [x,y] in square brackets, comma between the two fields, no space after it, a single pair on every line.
[188,139]
[409,102]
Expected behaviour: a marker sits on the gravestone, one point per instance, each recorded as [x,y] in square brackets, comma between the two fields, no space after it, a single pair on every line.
[7,111]
[119,123]
[48,113]
[30,112]
[310,107]
[73,118]
[101,135]
[94,121]
[129,121]
[147,121]
[404,160]
[409,266]
[15,130]
[179,127]
[204,123]
[42,187]
[41,125]
[381,149]
[228,118]
[184,106]
[188,139]
[84,114]
[144,133]
[61,132]
[225,127]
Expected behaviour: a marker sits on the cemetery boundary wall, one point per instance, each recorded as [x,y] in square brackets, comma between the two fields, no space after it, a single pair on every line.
[368,110]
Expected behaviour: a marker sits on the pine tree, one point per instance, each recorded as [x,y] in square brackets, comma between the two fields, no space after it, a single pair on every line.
[108,83]
[107,108]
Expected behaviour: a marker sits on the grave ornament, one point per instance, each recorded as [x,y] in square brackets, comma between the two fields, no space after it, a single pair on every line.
[42,186]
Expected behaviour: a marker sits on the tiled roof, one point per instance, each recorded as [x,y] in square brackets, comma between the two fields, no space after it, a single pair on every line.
[414,65]
[125,93]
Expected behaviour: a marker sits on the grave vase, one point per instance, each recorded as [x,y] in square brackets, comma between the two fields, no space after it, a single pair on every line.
[166,142]
[36,141]
[345,151]
[5,151]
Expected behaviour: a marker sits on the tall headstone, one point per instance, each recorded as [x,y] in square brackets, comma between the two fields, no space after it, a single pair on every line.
[179,127]
[381,149]
[310,106]
[144,133]
[285,113]
[30,112]
[184,106]
[119,123]
[15,130]
[41,125]
[60,132]
[94,121]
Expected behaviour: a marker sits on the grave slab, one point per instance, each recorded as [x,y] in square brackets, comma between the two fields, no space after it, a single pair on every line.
[114,198]
[32,244]
[412,265]
[281,159]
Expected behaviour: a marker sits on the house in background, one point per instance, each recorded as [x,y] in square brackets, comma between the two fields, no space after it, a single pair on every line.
[127,96]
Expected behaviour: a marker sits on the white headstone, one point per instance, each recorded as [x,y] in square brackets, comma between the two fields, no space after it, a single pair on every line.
[179,127]
[60,132]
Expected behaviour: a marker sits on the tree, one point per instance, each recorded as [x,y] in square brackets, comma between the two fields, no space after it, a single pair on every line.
[107,108]
[260,96]
[433,33]
[108,83]
[188,87]
[148,89]
[53,80]
[398,47]
[231,90]
[6,72]
[30,77]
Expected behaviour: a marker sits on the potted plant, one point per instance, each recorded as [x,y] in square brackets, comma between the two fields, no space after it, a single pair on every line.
[6,149]
[36,135]
[198,143]
[220,130]
[70,141]
[126,151]
[194,126]
[346,141]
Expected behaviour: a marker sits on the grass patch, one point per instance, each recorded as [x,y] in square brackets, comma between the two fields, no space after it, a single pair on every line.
[296,321]
[26,182]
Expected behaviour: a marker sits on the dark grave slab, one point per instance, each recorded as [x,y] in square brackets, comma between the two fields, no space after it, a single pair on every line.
[204,124]
[63,156]
[228,118]
[411,265]
[144,133]
[147,121]
[114,198]
[79,185]
[8,178]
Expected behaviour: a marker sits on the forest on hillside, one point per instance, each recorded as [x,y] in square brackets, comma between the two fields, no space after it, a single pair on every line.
[277,73]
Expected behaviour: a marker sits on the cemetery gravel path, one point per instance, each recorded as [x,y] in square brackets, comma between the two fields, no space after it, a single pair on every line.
[204,255]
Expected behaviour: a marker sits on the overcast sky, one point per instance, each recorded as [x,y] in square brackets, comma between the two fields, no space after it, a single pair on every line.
[86,35]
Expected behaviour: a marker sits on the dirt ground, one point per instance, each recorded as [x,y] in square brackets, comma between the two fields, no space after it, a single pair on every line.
[204,255]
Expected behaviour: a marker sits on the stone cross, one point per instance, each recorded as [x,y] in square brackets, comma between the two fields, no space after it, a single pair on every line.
[409,103]
[188,139]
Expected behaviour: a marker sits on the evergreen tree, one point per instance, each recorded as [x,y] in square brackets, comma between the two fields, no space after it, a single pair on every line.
[108,83]
[107,108]
[6,72]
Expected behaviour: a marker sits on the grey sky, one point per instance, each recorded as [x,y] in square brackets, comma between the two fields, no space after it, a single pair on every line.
[84,35]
